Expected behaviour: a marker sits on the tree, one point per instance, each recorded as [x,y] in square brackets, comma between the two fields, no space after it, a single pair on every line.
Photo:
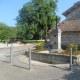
[25,28]
[7,32]
[13,32]
[38,15]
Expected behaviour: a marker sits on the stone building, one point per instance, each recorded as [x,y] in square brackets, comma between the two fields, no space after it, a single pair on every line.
[70,27]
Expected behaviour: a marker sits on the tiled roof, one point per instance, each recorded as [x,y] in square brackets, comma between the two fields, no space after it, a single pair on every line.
[69,25]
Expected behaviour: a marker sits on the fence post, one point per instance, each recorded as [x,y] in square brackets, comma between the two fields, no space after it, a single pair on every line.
[11,53]
[70,58]
[29,59]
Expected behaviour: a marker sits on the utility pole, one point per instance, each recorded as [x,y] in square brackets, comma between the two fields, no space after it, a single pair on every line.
[56,21]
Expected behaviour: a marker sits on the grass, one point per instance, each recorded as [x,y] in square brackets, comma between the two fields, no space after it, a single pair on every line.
[65,52]
[32,41]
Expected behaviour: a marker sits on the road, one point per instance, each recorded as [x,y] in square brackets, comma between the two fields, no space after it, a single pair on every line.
[6,51]
[20,71]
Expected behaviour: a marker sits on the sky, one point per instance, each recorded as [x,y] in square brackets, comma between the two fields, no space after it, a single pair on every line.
[9,9]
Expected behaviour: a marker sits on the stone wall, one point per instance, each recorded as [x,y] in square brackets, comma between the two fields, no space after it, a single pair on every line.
[75,14]
[55,39]
[70,37]
[51,58]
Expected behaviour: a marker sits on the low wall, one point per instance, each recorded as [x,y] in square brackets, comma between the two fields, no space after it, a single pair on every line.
[50,58]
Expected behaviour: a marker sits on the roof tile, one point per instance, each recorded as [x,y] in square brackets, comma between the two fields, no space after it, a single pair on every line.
[69,25]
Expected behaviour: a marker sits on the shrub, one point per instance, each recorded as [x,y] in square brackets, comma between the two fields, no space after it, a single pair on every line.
[40,46]
[73,46]
[65,52]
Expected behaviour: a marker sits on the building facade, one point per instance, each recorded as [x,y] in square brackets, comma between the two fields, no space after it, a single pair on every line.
[70,26]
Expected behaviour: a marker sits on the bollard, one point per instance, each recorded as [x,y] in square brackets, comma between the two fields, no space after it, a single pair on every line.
[70,58]
[29,59]
[11,53]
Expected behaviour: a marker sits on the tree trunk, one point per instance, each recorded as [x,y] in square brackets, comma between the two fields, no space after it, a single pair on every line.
[45,34]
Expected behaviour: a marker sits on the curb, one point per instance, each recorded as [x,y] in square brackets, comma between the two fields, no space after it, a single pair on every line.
[25,60]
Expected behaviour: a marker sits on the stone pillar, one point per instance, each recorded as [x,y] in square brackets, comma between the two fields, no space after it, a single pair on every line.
[55,39]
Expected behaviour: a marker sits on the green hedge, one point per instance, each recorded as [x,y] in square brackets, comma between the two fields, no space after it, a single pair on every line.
[32,41]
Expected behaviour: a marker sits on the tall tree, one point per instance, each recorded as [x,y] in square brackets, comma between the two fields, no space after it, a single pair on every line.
[38,15]
[7,32]
[25,28]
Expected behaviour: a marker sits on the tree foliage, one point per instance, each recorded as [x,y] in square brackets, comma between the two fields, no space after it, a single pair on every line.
[36,16]
[7,32]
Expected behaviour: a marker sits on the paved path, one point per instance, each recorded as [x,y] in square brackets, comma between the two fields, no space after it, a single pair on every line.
[17,49]
[19,71]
